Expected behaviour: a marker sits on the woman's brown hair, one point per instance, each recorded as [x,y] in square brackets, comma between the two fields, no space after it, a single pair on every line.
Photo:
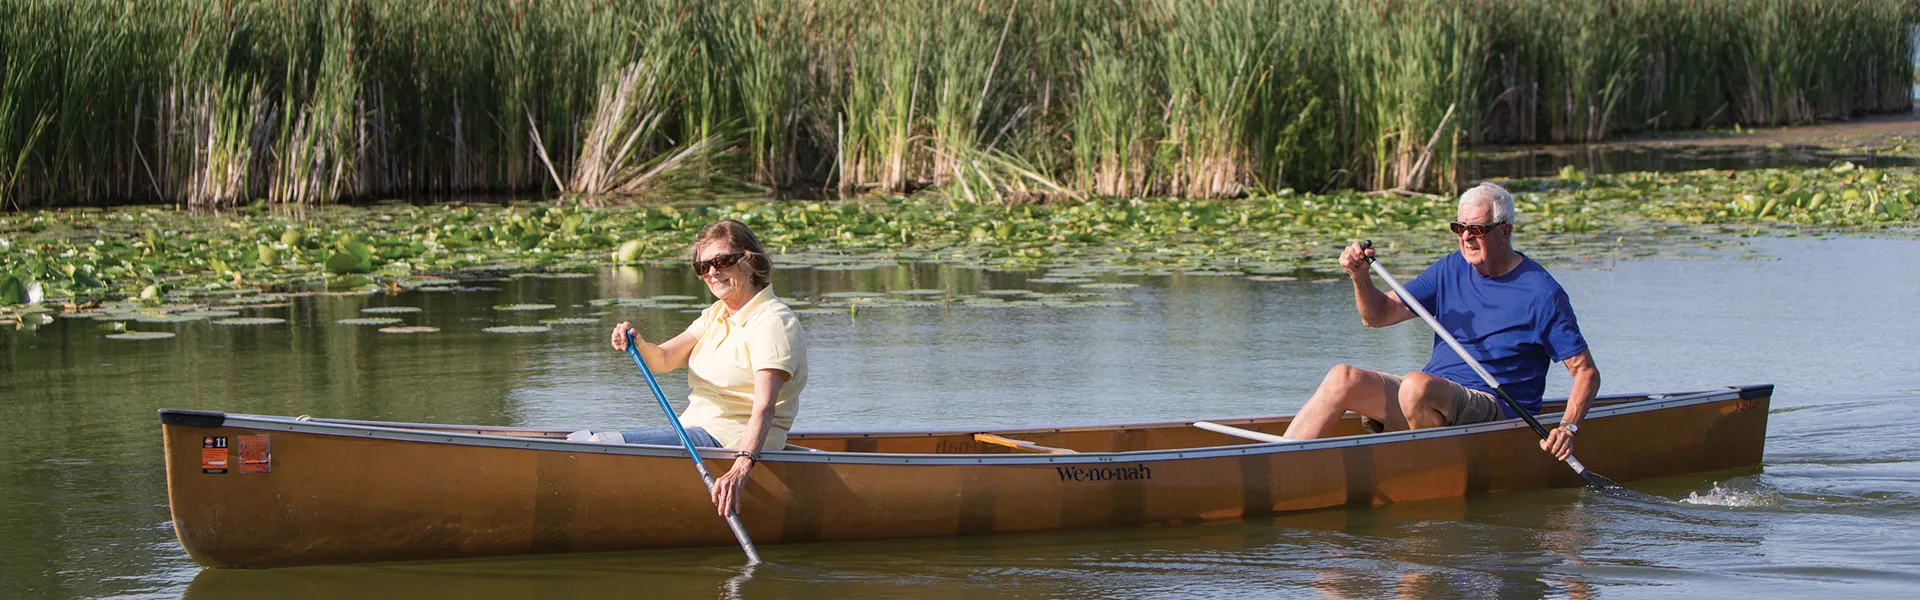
[742,239]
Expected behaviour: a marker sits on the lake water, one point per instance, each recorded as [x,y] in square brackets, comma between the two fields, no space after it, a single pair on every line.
[1833,510]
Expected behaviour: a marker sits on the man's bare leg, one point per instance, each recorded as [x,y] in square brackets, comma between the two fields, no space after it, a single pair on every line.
[1345,389]
[1425,400]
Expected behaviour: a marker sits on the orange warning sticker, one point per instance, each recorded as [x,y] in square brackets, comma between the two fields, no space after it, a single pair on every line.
[256,454]
[213,455]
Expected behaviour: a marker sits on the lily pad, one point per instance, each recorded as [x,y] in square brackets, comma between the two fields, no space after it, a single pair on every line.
[166,319]
[852,295]
[1107,286]
[370,321]
[918,292]
[1006,293]
[668,306]
[409,329]
[846,296]
[141,335]
[519,329]
[389,310]
[570,321]
[342,283]
[254,300]
[211,314]
[249,321]
[524,307]
[552,275]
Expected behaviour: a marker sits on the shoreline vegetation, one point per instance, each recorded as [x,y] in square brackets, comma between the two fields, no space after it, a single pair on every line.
[217,104]
[68,258]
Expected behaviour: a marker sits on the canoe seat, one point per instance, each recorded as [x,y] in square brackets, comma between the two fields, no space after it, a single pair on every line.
[989,438]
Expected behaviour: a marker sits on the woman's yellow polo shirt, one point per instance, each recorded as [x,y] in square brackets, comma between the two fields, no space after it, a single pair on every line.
[729,348]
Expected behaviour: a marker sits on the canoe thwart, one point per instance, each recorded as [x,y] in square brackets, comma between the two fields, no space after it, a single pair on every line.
[1240,433]
[989,438]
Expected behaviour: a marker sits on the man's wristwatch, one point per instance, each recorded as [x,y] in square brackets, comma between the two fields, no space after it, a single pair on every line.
[751,458]
[1572,428]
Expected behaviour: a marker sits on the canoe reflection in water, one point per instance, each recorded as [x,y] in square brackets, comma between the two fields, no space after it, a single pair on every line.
[337,492]
[1455,548]
[1526,545]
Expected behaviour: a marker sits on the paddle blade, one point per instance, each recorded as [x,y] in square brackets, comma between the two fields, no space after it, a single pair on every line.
[1600,483]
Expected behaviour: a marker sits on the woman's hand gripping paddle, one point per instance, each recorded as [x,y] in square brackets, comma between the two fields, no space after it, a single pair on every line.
[733,520]
[1594,480]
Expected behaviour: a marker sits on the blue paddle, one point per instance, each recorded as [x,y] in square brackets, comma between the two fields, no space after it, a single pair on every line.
[1594,480]
[733,520]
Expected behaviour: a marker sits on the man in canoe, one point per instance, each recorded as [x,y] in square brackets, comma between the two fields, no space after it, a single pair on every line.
[746,360]
[1502,306]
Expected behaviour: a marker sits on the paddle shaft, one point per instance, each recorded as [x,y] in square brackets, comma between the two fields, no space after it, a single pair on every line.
[733,520]
[1455,344]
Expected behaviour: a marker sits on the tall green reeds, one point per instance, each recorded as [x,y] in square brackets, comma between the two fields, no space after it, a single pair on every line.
[23,116]
[1406,69]
[1117,114]
[219,102]
[967,81]
[757,77]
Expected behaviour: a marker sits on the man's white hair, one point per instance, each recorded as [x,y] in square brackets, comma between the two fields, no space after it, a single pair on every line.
[1494,195]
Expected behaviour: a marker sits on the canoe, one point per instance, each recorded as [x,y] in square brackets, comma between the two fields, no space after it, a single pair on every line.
[251,491]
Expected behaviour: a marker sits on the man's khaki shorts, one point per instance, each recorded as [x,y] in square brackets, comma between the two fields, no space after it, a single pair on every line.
[1468,405]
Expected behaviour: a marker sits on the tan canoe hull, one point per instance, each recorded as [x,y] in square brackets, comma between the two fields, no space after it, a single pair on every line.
[345,492]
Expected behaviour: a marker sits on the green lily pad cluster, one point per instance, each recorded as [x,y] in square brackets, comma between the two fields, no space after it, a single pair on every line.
[153,256]
[851,303]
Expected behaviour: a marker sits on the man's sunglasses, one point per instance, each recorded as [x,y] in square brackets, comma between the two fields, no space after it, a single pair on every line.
[721,262]
[1476,229]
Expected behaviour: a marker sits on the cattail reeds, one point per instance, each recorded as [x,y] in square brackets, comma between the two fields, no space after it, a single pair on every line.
[214,103]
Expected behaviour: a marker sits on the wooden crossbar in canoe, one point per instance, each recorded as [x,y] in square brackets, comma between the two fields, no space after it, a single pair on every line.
[1019,444]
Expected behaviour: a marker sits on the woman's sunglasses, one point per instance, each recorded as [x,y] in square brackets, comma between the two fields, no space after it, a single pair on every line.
[1475,229]
[721,262]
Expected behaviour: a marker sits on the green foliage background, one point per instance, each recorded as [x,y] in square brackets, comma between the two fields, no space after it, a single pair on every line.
[223,102]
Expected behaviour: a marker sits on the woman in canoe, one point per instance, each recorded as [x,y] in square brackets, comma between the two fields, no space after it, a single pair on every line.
[746,360]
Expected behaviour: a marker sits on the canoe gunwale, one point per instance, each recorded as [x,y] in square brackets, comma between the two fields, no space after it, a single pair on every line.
[398,432]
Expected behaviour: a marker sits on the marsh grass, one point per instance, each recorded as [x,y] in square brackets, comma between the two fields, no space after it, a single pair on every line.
[218,103]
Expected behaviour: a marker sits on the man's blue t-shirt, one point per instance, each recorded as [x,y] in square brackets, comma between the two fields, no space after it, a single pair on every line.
[1516,325]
